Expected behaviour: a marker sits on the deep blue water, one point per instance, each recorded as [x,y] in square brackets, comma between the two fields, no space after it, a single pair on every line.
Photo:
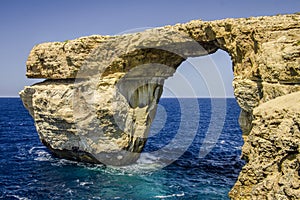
[29,171]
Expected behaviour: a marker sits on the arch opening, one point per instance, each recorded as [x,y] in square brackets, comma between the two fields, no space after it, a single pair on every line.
[220,167]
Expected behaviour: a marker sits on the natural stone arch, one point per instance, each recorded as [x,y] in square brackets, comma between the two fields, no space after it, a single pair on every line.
[265,57]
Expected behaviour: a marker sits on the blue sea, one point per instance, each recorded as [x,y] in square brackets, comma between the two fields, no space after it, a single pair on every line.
[29,171]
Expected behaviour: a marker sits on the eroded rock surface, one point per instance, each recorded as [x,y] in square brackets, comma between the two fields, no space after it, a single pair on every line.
[272,152]
[101,92]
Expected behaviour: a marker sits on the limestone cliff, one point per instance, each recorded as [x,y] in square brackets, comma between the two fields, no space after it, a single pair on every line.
[100,95]
[272,151]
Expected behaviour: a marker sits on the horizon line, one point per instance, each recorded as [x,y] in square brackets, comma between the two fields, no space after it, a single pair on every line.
[163,97]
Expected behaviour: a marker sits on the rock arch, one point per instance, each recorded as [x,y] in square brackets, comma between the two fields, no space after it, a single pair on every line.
[265,56]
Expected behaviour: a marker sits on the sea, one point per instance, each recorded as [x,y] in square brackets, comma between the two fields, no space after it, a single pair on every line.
[204,137]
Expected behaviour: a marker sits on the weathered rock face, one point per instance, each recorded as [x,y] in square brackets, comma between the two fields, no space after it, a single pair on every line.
[272,151]
[101,92]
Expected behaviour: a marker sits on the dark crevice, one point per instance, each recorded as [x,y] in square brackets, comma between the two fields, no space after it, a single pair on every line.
[255,43]
[291,155]
[75,154]
[260,89]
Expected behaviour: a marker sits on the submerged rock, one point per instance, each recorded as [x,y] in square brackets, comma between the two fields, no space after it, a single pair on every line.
[101,94]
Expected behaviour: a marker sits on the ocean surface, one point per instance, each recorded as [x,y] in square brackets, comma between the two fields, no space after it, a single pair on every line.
[181,128]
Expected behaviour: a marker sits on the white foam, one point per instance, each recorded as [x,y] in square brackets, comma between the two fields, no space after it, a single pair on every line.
[86,183]
[146,164]
[238,148]
[69,191]
[18,197]
[147,158]
[30,151]
[169,196]
[42,155]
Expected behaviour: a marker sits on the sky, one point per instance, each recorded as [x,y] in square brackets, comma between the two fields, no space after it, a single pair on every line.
[27,23]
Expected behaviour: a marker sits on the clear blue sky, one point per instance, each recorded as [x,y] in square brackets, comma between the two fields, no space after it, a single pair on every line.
[26,23]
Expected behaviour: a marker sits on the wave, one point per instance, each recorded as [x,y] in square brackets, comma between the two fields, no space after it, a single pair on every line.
[169,196]
[17,197]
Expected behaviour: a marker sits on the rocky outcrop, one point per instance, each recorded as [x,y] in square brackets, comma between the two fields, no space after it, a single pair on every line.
[272,152]
[101,93]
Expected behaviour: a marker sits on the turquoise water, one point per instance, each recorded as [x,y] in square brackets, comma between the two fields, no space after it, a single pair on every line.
[29,171]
